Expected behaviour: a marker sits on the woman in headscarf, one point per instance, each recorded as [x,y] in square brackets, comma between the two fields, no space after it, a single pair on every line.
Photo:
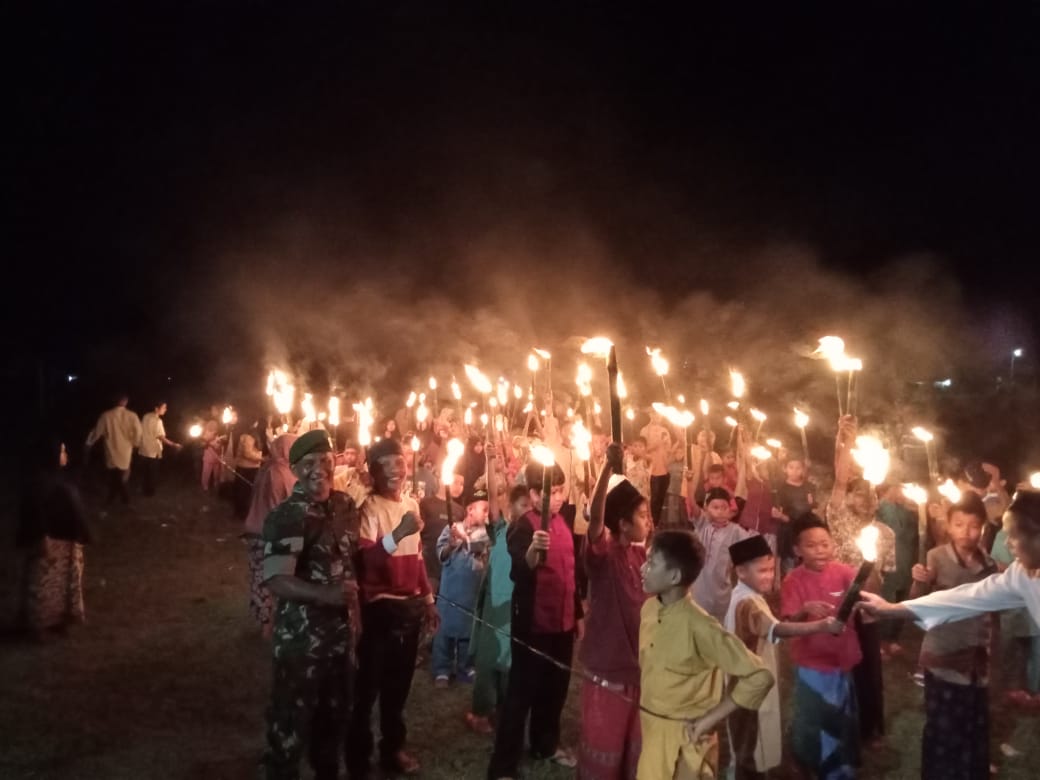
[273,485]
[52,529]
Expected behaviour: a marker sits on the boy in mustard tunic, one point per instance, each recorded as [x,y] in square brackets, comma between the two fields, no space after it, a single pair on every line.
[684,658]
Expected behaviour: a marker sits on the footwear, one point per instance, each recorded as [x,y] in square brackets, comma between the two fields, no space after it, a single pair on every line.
[894,649]
[479,724]
[402,763]
[563,757]
[440,682]
[468,676]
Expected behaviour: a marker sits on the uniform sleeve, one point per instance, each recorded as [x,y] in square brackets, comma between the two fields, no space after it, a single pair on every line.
[283,542]
[993,594]
[751,680]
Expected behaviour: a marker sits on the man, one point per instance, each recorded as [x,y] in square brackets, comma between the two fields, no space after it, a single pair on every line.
[153,437]
[308,541]
[121,430]
[659,450]
[396,601]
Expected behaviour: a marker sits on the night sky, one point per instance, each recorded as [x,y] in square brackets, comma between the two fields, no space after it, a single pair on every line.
[167,166]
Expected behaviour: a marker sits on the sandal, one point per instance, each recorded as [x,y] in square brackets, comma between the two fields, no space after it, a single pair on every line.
[563,757]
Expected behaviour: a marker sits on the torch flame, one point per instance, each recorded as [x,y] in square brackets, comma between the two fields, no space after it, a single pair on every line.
[704,407]
[456,448]
[739,385]
[734,405]
[365,417]
[415,444]
[456,391]
[657,361]
[599,346]
[226,416]
[480,382]
[915,493]
[503,391]
[680,398]
[832,349]
[584,379]
[422,413]
[195,431]
[760,453]
[334,410]
[544,354]
[411,400]
[622,388]
[801,419]
[484,419]
[468,416]
[581,438]
[543,455]
[730,422]
[433,383]
[867,542]
[518,392]
[307,405]
[759,416]
[596,408]
[1034,480]
[776,444]
[873,458]
[950,491]
[630,413]
[532,363]
[922,434]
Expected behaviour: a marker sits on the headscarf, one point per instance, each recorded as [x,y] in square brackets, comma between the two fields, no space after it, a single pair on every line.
[273,484]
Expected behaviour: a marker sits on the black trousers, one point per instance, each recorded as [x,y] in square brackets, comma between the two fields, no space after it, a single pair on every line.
[149,474]
[386,662]
[870,691]
[658,493]
[536,687]
[117,479]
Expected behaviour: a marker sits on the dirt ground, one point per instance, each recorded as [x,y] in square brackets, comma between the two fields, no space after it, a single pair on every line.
[169,677]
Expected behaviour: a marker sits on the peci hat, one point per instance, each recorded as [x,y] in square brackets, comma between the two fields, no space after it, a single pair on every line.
[749,549]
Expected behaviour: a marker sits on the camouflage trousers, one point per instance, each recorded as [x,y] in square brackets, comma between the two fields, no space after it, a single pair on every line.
[310,706]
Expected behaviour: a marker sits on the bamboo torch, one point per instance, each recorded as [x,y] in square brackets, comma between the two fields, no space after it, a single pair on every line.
[919,496]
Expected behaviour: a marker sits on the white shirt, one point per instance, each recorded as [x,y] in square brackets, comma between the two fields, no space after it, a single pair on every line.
[152,435]
[1013,589]
[121,430]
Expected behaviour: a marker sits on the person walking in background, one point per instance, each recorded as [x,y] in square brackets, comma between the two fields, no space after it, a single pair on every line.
[121,431]
[153,439]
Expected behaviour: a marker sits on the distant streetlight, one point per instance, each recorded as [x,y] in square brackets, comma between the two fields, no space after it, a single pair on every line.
[1015,355]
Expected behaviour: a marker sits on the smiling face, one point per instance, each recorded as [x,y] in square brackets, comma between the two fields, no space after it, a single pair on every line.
[389,475]
[815,547]
[758,574]
[314,472]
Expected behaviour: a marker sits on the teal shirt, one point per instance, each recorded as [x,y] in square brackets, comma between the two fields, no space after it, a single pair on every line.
[903,523]
[495,602]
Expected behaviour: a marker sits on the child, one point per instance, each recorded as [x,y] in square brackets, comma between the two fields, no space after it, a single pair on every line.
[825,735]
[491,650]
[546,615]
[637,466]
[955,657]
[461,549]
[755,741]
[794,499]
[1019,640]
[614,554]
[713,587]
[683,655]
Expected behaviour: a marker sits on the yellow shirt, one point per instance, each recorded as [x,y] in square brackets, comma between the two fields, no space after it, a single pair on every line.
[684,658]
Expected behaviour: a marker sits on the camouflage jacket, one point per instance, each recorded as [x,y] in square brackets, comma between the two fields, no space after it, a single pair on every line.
[315,542]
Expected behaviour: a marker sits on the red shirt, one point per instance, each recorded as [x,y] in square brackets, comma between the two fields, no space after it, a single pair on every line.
[822,652]
[554,580]
[616,596]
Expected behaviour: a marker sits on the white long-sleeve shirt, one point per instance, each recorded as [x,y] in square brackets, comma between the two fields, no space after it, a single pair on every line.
[121,430]
[1013,589]
[152,434]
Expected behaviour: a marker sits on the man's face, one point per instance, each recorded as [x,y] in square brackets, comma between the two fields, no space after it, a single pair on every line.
[389,475]
[861,500]
[314,471]
[350,457]
[794,471]
[160,410]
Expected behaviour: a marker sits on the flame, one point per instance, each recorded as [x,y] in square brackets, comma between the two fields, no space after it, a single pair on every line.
[679,418]
[433,383]
[1034,480]
[801,419]
[581,438]
[532,363]
[455,450]
[704,407]
[334,410]
[873,458]
[415,444]
[776,444]
[543,455]
[226,416]
[680,398]
[280,390]
[544,354]
[422,413]
[468,416]
[484,419]
[867,542]
[739,385]
[622,388]
[307,405]
[659,363]
[411,399]
[503,391]
[950,491]
[759,416]
[599,346]
[730,422]
[493,403]
[734,405]
[922,434]
[630,413]
[760,453]
[518,392]
[915,493]
[529,408]
[365,418]
[853,364]
[832,349]
[322,416]
[456,391]
[570,412]
[584,379]
[285,427]
[476,378]
[195,431]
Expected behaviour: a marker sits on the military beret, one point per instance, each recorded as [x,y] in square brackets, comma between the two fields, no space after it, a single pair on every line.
[749,549]
[382,449]
[312,441]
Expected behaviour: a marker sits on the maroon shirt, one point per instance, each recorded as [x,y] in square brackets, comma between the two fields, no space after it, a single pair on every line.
[554,582]
[611,645]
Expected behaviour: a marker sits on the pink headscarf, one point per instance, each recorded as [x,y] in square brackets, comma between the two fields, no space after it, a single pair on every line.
[273,484]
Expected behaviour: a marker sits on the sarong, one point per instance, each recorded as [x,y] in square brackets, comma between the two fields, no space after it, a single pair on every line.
[825,727]
[955,744]
[610,734]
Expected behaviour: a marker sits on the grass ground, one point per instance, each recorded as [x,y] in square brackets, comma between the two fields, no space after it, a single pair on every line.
[169,678]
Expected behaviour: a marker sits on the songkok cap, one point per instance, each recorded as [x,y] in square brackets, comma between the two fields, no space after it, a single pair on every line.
[312,441]
[748,549]
[382,449]
[622,500]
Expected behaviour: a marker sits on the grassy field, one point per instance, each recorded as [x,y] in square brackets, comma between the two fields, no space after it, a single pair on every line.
[169,678]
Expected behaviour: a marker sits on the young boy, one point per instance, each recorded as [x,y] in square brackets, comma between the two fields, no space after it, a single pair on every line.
[825,734]
[637,466]
[713,587]
[683,655]
[955,656]
[462,549]
[546,615]
[755,738]
[491,651]
[614,554]
[794,500]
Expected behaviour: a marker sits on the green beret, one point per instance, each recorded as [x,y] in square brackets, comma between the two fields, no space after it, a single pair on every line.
[312,441]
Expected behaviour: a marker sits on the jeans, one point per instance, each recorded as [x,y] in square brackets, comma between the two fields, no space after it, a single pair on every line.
[450,654]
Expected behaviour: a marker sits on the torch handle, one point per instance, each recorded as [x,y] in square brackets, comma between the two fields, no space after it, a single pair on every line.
[851,596]
[615,398]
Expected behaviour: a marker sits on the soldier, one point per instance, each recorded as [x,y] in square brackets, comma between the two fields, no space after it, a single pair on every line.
[308,542]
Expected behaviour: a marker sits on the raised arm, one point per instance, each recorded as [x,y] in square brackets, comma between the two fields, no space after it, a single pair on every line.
[598,505]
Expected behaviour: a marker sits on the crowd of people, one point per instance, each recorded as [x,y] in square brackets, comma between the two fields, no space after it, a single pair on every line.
[673,570]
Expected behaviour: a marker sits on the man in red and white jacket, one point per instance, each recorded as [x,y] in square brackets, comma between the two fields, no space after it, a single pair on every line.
[395,603]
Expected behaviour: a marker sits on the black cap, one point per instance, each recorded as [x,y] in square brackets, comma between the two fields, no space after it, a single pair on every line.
[748,549]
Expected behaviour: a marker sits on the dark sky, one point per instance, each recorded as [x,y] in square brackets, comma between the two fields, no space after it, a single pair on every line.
[167,164]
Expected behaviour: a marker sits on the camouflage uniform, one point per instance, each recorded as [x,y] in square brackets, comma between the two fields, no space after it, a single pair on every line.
[313,651]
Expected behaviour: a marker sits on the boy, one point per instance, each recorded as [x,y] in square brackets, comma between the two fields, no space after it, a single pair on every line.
[713,587]
[955,656]
[546,615]
[614,554]
[825,734]
[461,548]
[637,466]
[433,510]
[683,655]
[755,741]
[794,500]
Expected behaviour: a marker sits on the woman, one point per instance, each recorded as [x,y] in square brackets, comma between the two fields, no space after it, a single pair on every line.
[248,459]
[53,529]
[273,485]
